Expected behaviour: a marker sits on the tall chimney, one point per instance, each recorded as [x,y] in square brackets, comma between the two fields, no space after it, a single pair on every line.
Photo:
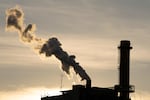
[124,74]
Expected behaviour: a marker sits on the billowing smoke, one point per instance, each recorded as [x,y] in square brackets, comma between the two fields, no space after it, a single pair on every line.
[53,47]
[15,22]
[15,19]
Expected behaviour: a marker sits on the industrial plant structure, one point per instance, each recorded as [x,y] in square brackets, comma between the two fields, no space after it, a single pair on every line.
[119,92]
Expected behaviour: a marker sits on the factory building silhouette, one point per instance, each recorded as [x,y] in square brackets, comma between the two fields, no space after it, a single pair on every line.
[121,91]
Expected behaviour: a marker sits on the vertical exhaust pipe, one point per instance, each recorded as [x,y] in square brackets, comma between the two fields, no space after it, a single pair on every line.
[124,88]
[124,69]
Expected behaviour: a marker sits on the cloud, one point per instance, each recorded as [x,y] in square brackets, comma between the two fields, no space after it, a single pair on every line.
[29,93]
[18,77]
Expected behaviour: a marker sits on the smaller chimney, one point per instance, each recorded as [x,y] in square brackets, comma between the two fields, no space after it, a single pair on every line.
[124,88]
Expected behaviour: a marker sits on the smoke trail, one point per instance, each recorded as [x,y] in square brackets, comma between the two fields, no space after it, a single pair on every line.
[15,18]
[15,22]
[53,47]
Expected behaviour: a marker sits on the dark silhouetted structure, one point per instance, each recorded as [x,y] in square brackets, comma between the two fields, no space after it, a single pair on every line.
[124,87]
[119,92]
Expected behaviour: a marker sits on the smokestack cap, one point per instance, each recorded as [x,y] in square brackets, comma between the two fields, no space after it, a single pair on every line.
[125,44]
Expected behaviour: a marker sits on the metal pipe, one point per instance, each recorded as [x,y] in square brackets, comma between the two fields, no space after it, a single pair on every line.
[124,82]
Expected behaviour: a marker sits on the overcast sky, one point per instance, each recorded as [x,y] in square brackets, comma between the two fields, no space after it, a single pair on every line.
[90,29]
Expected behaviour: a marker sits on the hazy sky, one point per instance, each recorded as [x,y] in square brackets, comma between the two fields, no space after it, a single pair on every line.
[89,29]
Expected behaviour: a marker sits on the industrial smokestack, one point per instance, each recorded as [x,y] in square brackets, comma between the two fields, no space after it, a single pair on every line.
[124,69]
[124,88]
